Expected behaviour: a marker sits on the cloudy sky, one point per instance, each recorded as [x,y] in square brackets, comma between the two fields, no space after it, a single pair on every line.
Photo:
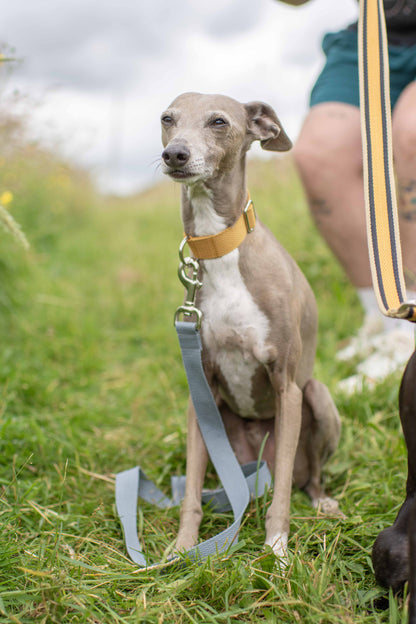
[100,72]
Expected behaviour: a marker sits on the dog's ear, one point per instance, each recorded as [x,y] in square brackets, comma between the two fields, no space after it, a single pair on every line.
[263,125]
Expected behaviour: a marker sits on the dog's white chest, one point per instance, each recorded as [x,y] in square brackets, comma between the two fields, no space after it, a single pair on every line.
[235,330]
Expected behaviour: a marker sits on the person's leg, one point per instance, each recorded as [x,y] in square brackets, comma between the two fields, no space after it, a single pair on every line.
[404,147]
[329,159]
[328,154]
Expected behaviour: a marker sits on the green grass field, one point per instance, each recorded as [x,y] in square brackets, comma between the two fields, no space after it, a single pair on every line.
[92,384]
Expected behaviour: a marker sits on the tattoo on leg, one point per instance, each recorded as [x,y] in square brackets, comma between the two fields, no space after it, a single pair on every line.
[407,204]
[408,215]
[407,187]
[320,208]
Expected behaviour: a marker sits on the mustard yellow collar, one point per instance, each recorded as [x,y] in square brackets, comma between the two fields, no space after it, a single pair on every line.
[218,245]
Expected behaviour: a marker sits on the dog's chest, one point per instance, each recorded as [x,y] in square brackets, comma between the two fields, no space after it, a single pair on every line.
[234,328]
[235,331]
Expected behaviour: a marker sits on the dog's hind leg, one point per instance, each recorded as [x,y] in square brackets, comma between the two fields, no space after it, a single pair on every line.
[321,427]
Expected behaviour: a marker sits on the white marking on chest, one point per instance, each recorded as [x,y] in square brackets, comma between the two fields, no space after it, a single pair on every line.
[206,220]
[233,324]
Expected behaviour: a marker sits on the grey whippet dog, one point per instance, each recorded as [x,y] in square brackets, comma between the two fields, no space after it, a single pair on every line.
[259,315]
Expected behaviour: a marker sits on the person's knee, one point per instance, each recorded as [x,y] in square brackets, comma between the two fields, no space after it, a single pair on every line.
[311,156]
[322,158]
[404,129]
[317,162]
[329,145]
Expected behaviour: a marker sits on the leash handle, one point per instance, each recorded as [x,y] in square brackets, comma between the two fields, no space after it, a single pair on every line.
[380,192]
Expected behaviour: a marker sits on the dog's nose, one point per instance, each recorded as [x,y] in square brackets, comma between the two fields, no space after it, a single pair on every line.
[176,155]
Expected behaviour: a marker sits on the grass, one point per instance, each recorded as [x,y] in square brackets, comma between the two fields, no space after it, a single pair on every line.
[92,383]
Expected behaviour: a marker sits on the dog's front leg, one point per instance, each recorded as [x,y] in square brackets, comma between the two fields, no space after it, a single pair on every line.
[196,465]
[287,430]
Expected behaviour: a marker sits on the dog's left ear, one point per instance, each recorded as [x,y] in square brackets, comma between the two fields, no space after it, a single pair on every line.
[263,125]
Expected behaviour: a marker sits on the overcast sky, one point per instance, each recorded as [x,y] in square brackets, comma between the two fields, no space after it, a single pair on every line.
[102,71]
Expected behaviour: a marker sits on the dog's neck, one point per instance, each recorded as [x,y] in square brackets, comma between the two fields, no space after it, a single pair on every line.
[208,207]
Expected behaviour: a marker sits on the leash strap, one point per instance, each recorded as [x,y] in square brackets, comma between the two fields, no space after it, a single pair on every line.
[380,194]
[239,483]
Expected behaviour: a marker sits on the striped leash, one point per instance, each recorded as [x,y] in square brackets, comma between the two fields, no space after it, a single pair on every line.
[379,184]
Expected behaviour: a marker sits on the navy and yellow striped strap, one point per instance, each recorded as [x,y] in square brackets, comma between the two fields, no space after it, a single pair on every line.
[379,184]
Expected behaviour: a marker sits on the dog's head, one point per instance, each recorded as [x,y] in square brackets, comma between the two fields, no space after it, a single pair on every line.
[205,135]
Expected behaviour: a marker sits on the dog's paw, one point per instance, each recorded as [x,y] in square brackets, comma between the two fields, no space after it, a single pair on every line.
[278,544]
[184,542]
[328,506]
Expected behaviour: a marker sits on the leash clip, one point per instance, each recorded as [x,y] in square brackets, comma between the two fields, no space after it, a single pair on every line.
[188,274]
[406,311]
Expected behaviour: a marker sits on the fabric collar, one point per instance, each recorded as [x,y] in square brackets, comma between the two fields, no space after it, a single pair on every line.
[218,245]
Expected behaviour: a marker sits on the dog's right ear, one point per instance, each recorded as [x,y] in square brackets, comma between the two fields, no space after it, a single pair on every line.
[264,125]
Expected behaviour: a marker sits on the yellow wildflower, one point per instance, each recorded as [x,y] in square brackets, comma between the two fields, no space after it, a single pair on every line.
[5,198]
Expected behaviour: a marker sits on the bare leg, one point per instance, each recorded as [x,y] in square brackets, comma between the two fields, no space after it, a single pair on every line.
[404,144]
[329,158]
[196,465]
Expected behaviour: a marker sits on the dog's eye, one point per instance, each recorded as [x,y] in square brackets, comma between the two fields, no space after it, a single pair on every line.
[167,120]
[219,121]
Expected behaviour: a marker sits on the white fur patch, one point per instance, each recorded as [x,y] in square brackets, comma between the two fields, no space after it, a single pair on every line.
[278,543]
[233,324]
[206,220]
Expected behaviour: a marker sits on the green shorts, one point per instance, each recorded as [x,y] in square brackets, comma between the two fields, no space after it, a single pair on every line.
[338,81]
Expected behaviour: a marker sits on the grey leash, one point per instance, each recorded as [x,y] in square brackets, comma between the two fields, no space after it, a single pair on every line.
[239,483]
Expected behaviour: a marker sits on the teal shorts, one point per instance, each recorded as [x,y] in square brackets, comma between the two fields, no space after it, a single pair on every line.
[338,81]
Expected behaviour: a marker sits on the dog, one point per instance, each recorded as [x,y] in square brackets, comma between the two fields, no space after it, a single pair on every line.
[394,551]
[259,322]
